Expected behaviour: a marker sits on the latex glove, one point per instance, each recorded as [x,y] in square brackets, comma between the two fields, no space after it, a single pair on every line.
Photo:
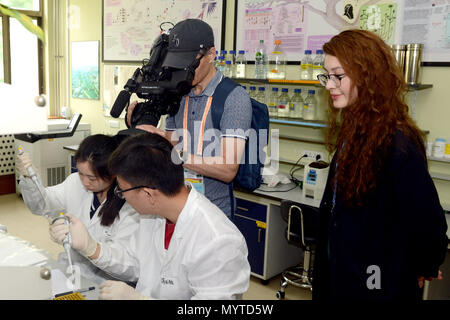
[81,239]
[22,163]
[118,290]
[58,231]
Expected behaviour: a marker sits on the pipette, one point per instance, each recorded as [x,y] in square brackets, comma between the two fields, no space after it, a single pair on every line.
[36,181]
[67,243]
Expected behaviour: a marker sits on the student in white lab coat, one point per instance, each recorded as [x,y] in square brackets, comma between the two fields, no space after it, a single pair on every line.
[86,196]
[185,248]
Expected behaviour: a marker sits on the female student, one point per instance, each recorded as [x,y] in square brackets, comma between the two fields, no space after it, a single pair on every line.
[87,195]
[382,228]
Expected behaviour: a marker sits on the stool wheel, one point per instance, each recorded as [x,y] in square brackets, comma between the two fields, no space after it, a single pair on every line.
[280,295]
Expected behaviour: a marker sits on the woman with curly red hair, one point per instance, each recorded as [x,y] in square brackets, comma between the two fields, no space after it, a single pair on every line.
[382,228]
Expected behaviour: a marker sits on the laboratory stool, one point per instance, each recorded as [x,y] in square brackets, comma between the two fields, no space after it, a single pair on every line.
[302,228]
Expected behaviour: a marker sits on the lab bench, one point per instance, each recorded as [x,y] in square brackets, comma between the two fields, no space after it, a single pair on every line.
[259,219]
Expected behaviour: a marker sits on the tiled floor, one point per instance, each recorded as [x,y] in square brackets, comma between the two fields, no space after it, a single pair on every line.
[21,223]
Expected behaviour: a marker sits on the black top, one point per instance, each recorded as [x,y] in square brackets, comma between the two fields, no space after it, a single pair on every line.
[398,235]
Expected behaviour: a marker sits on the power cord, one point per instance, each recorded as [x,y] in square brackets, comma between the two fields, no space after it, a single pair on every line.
[293,170]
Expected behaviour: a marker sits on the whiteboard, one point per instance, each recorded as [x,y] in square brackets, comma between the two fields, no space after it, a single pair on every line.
[131,26]
[302,25]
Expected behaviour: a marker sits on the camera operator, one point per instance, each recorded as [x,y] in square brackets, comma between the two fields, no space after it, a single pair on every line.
[192,126]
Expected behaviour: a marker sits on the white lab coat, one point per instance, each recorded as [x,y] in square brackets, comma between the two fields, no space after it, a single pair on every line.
[72,197]
[206,258]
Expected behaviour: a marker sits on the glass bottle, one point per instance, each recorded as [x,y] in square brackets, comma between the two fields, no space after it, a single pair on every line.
[277,63]
[221,64]
[261,96]
[296,105]
[283,103]
[228,72]
[306,66]
[260,61]
[252,93]
[309,107]
[273,103]
[241,64]
[317,65]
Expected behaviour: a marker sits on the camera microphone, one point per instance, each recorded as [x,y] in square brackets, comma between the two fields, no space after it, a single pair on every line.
[121,102]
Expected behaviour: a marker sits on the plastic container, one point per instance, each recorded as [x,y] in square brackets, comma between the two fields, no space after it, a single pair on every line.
[317,65]
[273,103]
[261,61]
[296,105]
[439,148]
[223,53]
[277,63]
[310,106]
[261,96]
[241,65]
[306,66]
[231,56]
[447,151]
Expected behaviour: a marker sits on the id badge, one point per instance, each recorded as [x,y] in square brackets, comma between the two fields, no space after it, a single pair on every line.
[195,179]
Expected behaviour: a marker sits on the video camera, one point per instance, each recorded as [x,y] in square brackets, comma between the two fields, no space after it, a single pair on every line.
[161,87]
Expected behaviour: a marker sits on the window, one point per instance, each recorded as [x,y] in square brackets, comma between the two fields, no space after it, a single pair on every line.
[21,51]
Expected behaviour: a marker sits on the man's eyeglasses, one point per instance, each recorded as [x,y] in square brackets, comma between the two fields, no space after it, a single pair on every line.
[335,78]
[119,192]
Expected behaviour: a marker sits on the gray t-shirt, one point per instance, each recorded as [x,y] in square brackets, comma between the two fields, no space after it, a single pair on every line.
[235,122]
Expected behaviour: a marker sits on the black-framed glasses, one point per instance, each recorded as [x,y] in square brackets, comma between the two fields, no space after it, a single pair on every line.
[336,78]
[119,192]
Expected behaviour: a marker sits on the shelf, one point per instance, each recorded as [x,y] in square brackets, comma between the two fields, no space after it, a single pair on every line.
[440,176]
[273,81]
[299,122]
[419,87]
[297,139]
[439,159]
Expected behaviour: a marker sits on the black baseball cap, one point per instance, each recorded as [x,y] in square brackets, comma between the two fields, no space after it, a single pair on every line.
[186,39]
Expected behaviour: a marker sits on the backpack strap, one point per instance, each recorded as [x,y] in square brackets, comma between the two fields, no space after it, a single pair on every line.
[220,95]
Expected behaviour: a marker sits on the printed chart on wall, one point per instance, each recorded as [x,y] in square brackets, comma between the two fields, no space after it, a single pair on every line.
[307,25]
[131,26]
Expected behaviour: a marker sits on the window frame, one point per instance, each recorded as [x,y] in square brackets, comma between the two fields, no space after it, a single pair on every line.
[34,15]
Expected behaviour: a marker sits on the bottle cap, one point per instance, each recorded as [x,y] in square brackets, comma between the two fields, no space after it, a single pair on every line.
[308,51]
[223,51]
[319,51]
[277,42]
[221,58]
[297,90]
[311,91]
[440,140]
[261,89]
[252,88]
[232,51]
[241,51]
[285,90]
[228,62]
[274,89]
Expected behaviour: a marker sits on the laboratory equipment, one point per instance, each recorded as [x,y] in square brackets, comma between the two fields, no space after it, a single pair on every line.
[273,103]
[439,148]
[46,149]
[261,96]
[306,66]
[296,105]
[252,93]
[67,242]
[283,103]
[413,59]
[221,64]
[241,64]
[277,63]
[260,61]
[228,71]
[314,179]
[231,56]
[317,65]
[309,107]
[399,51]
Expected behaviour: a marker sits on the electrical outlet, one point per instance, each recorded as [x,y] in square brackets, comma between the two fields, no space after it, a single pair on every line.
[312,155]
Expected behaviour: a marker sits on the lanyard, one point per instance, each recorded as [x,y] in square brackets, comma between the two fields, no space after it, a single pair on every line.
[202,128]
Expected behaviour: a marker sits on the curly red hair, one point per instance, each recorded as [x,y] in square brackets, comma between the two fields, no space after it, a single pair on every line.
[363,130]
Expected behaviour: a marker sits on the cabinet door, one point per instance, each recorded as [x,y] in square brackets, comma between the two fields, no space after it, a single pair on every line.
[256,239]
